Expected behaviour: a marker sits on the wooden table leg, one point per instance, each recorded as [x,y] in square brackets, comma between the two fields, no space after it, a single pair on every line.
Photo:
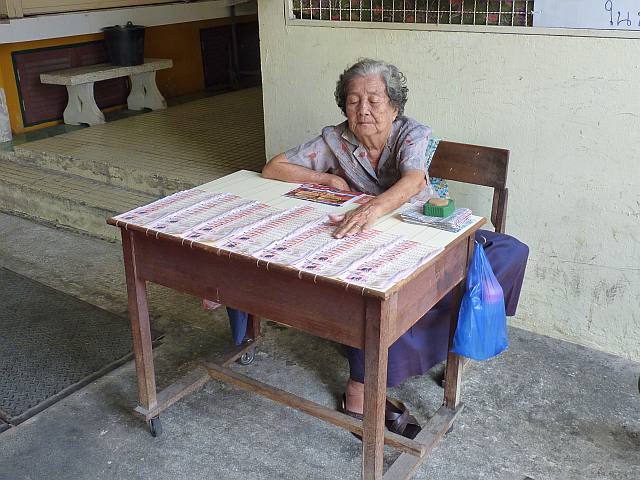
[453,372]
[253,327]
[376,352]
[140,328]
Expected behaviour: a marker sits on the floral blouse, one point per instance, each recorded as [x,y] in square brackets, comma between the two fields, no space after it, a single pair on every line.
[336,150]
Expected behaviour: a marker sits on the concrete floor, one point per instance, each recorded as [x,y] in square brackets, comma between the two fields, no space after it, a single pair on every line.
[545,409]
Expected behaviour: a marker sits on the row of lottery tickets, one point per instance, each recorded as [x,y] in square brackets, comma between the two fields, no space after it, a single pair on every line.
[298,237]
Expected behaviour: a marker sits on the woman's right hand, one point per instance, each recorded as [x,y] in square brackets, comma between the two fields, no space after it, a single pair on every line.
[279,168]
[334,181]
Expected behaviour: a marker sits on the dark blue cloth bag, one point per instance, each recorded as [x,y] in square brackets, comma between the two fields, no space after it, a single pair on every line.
[482,324]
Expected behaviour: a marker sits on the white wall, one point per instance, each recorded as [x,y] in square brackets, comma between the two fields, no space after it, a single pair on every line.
[568,108]
[81,23]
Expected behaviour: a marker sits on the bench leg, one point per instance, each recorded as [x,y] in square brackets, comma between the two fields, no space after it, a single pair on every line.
[82,107]
[145,93]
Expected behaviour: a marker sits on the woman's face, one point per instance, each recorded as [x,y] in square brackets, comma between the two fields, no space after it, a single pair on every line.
[369,110]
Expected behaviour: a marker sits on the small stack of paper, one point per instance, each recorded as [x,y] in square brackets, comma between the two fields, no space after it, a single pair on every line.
[458,220]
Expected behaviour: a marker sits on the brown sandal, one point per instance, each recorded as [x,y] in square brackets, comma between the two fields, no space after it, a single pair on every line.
[343,409]
[398,419]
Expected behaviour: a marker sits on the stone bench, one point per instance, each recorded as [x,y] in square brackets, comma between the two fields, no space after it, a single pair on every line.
[82,107]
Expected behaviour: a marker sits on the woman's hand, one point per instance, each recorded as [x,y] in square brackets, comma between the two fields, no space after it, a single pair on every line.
[279,168]
[363,218]
[334,181]
[355,221]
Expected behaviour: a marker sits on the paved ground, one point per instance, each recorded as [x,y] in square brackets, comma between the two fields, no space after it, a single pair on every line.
[543,410]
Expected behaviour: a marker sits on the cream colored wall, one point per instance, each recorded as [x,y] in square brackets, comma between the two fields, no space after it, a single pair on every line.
[568,109]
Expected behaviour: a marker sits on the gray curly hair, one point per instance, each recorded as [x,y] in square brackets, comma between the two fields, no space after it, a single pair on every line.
[393,78]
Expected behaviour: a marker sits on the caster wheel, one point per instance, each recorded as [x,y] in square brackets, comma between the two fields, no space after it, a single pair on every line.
[155,426]
[247,358]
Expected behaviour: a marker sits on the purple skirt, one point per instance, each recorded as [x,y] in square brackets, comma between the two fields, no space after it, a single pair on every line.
[426,343]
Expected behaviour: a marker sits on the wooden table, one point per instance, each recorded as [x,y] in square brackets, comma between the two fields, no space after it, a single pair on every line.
[309,303]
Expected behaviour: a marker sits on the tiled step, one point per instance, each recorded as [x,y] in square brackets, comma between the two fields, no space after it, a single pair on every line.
[162,151]
[64,200]
[101,169]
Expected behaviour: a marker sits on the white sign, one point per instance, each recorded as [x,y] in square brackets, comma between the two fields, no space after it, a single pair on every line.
[595,14]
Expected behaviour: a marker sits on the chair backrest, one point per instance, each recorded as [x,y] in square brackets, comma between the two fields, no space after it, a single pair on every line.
[477,165]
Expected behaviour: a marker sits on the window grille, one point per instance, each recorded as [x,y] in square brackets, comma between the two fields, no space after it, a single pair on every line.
[447,12]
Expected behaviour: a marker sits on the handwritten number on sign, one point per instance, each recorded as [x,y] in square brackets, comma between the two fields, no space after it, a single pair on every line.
[620,19]
[624,20]
[608,6]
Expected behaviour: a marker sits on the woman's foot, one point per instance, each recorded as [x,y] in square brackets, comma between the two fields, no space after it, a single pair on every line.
[354,397]
[397,417]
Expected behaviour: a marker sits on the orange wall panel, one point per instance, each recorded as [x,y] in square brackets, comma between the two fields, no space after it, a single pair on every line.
[180,42]
[8,79]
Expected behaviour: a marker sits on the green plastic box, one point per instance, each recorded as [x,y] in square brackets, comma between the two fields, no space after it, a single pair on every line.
[437,211]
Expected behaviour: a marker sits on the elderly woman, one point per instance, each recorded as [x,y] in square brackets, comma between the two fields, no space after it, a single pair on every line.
[379,151]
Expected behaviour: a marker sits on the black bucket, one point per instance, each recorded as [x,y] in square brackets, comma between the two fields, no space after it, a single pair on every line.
[125,44]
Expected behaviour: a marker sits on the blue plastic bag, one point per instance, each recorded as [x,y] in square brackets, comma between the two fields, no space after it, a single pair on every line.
[482,324]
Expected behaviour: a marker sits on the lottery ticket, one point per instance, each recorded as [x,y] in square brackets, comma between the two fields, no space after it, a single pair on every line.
[224,224]
[341,253]
[389,265]
[254,237]
[185,219]
[323,194]
[298,244]
[162,207]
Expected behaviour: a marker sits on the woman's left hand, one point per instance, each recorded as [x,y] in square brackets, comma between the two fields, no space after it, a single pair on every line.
[355,221]
[363,217]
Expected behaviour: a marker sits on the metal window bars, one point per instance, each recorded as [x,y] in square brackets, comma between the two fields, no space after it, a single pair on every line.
[440,12]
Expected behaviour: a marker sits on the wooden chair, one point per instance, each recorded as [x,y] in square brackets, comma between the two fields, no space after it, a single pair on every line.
[477,165]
